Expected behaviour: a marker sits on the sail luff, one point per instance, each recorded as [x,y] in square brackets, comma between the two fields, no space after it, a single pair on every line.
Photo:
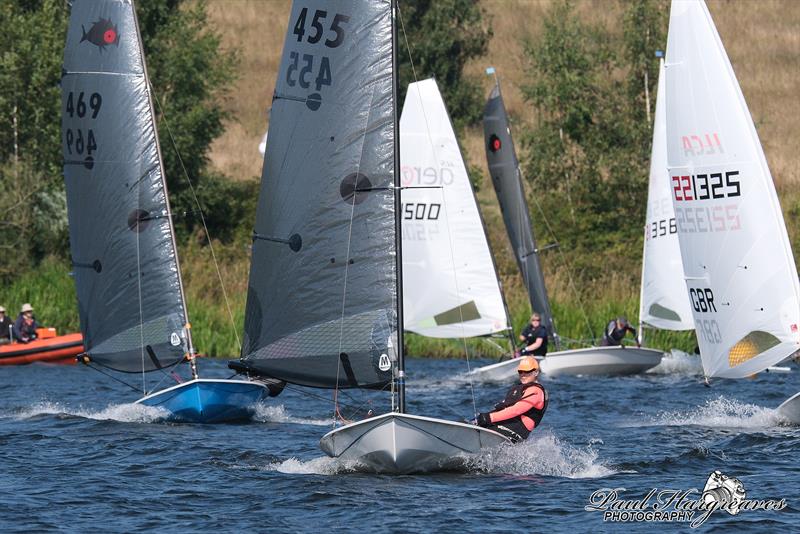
[398,209]
[663,300]
[170,222]
[507,181]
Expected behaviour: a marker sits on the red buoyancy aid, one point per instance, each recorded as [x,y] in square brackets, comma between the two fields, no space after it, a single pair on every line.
[517,400]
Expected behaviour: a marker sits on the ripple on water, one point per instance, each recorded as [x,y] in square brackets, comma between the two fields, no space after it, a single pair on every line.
[266,413]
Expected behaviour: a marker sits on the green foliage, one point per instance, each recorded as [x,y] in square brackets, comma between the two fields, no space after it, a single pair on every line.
[590,149]
[188,72]
[32,35]
[33,217]
[51,291]
[443,35]
[229,207]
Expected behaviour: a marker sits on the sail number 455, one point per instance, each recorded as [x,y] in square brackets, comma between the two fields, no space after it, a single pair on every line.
[318,29]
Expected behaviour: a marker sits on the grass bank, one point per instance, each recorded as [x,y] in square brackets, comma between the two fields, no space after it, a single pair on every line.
[217,315]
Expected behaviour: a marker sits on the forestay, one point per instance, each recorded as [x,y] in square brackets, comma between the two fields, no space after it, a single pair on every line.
[664,303]
[737,260]
[126,270]
[450,285]
[322,296]
[507,181]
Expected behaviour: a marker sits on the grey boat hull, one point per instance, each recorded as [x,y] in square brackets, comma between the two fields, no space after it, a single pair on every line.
[790,409]
[607,361]
[401,443]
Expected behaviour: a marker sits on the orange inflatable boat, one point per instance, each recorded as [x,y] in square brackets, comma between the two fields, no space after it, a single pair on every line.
[49,347]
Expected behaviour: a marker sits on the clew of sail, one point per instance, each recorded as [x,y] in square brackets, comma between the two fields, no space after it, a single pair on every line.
[663,303]
[450,285]
[130,297]
[739,268]
[322,296]
[507,181]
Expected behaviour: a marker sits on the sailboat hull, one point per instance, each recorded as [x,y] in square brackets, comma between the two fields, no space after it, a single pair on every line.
[790,409]
[208,400]
[401,443]
[606,361]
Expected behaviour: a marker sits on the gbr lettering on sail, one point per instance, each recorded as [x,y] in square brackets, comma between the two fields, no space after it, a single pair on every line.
[706,202]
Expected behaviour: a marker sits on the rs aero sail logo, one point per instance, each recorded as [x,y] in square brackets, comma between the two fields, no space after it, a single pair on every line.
[101,34]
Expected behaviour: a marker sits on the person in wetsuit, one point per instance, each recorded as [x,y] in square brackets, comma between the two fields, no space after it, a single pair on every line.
[615,332]
[534,335]
[522,409]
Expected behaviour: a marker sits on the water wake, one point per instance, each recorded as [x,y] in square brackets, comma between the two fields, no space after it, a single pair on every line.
[722,413]
[543,454]
[316,466]
[277,414]
[678,362]
[124,413]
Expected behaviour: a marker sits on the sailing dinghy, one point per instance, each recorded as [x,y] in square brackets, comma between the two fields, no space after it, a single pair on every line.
[130,295]
[325,292]
[507,181]
[450,283]
[739,267]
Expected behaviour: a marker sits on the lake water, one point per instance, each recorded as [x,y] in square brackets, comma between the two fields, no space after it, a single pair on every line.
[78,456]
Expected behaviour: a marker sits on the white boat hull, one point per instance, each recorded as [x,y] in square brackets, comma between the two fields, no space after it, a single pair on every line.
[401,443]
[608,361]
[790,409]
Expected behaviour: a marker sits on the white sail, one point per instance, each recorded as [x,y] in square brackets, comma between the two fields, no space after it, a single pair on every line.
[450,285]
[737,260]
[663,303]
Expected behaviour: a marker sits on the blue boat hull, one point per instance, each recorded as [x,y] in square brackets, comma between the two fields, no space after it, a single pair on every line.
[208,400]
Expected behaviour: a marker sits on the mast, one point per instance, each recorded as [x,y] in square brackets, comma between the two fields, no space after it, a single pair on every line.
[187,326]
[398,235]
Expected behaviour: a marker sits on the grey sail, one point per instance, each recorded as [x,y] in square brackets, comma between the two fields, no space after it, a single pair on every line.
[507,182]
[130,298]
[322,297]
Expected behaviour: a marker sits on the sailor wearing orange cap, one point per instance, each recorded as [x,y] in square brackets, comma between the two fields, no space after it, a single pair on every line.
[523,407]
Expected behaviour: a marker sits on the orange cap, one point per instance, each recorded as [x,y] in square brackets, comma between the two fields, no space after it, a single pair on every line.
[528,363]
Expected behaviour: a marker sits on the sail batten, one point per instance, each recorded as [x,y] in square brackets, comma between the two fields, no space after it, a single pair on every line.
[131,298]
[451,287]
[740,271]
[323,315]
[507,181]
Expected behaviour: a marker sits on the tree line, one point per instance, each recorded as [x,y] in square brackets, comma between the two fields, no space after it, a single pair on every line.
[585,157]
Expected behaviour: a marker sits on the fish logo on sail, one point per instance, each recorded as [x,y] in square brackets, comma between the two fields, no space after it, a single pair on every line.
[101,34]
